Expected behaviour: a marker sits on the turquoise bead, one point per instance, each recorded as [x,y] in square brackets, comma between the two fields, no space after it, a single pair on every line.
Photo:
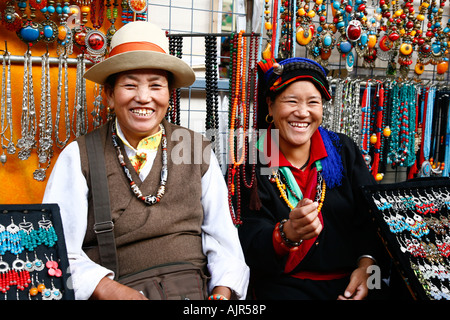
[363,39]
[327,41]
[29,34]
[48,31]
[345,46]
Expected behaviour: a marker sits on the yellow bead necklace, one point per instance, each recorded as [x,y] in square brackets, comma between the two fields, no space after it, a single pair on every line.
[282,188]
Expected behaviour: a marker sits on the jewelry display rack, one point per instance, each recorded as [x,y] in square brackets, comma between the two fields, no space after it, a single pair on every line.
[33,256]
[412,219]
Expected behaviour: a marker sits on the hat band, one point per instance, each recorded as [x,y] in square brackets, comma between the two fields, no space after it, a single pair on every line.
[278,84]
[135,46]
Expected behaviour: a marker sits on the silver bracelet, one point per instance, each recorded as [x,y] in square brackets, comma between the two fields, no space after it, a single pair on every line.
[366,256]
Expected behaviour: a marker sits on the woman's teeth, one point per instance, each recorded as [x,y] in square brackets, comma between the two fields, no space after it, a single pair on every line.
[299,125]
[142,112]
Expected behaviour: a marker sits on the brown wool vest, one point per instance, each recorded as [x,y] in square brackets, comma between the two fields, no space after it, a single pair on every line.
[169,231]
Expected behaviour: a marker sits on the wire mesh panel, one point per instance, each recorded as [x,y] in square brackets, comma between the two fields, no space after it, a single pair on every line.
[196,19]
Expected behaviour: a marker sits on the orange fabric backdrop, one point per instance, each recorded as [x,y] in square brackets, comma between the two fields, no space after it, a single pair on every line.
[16,176]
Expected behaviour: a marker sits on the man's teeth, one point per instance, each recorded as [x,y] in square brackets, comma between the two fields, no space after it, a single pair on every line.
[299,125]
[142,112]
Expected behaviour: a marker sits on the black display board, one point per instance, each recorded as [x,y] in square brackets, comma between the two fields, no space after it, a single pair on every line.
[33,255]
[413,222]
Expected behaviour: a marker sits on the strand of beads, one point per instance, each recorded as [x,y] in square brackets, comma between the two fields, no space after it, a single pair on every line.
[394,125]
[365,127]
[252,78]
[237,119]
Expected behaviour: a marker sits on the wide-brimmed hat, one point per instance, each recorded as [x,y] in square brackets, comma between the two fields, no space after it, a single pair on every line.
[141,45]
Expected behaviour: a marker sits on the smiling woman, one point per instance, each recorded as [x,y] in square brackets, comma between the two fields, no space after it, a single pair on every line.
[311,227]
[164,214]
[297,113]
[140,99]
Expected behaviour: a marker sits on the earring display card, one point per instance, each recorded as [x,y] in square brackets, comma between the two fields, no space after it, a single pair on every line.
[33,255]
[413,222]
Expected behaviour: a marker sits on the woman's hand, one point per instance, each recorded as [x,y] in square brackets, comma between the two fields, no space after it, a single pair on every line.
[304,222]
[357,288]
[108,289]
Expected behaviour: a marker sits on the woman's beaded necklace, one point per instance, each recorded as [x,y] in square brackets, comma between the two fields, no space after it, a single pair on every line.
[150,199]
[320,195]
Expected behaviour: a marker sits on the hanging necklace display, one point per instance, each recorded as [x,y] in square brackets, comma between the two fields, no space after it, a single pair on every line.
[236,120]
[49,28]
[323,43]
[438,53]
[424,42]
[80,31]
[419,68]
[6,108]
[134,10]
[340,11]
[438,132]
[31,32]
[212,93]
[388,41]
[173,114]
[435,18]
[65,39]
[405,56]
[365,126]
[406,21]
[96,44]
[45,151]
[402,125]
[62,64]
[98,107]
[375,138]
[79,116]
[304,27]
[95,40]
[111,15]
[127,14]
[349,111]
[353,29]
[267,52]
[138,6]
[426,141]
[11,20]
[252,80]
[28,120]
[373,26]
[286,17]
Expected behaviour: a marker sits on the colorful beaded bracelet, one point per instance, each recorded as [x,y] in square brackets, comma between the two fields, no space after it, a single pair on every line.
[217,297]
